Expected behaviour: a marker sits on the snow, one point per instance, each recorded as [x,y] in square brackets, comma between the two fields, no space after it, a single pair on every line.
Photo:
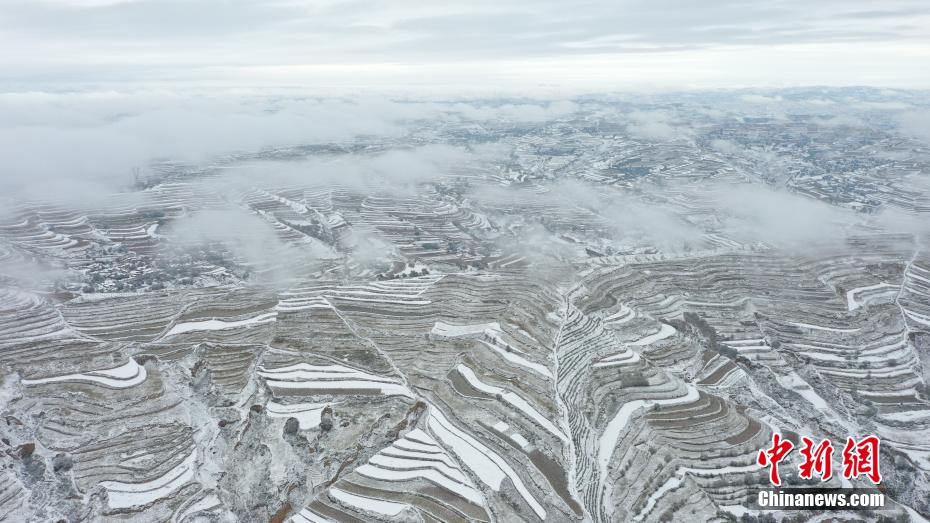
[488,466]
[417,455]
[208,502]
[102,296]
[489,330]
[455,331]
[299,304]
[623,316]
[861,373]
[335,219]
[365,504]
[122,377]
[214,324]
[519,440]
[819,328]
[329,377]
[853,304]
[796,383]
[526,408]
[397,461]
[519,360]
[722,471]
[671,484]
[401,453]
[611,434]
[755,342]
[415,446]
[512,398]
[390,302]
[910,415]
[836,352]
[626,357]
[297,207]
[388,389]
[306,516]
[429,474]
[473,380]
[307,372]
[511,262]
[126,495]
[738,510]
[500,426]
[664,332]
[919,318]
[732,303]
[307,414]
[676,480]
[913,514]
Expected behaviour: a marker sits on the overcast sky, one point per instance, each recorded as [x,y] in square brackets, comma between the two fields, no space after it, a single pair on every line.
[471,44]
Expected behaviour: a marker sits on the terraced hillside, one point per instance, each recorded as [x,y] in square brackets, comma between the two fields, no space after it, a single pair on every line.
[581,325]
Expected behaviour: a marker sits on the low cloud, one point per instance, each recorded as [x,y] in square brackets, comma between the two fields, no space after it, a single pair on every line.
[625,221]
[234,237]
[91,143]
[915,124]
[367,248]
[656,126]
[524,112]
[395,171]
[840,121]
[760,99]
[788,221]
[726,146]
[74,147]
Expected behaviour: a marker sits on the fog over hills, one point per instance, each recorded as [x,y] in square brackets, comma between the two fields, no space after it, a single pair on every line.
[250,307]
[351,261]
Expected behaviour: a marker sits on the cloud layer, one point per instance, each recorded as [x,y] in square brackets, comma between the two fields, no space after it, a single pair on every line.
[412,43]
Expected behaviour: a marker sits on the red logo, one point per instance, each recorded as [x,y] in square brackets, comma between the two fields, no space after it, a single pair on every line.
[773,456]
[859,458]
[818,459]
[862,459]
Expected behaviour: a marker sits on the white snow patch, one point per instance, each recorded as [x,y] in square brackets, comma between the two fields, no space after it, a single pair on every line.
[122,377]
[490,331]
[512,398]
[910,415]
[819,328]
[852,303]
[365,504]
[520,440]
[488,466]
[215,325]
[664,332]
[672,483]
[624,315]
[208,502]
[307,516]
[796,383]
[459,331]
[519,360]
[126,495]
[611,434]
[307,414]
[329,377]
[627,357]
[417,455]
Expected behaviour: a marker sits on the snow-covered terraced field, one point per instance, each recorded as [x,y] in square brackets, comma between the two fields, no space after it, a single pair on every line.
[568,323]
